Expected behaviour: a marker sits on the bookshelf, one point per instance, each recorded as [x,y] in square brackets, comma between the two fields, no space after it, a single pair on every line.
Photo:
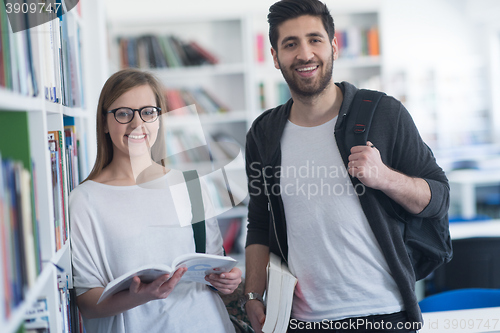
[359,62]
[49,80]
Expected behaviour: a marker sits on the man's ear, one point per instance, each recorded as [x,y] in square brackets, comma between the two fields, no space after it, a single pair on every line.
[275,58]
[335,47]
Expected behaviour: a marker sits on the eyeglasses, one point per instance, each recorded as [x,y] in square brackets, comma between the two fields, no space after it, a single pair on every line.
[125,115]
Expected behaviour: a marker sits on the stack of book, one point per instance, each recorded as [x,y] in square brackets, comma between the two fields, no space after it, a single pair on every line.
[19,240]
[183,147]
[205,102]
[151,51]
[357,42]
[281,90]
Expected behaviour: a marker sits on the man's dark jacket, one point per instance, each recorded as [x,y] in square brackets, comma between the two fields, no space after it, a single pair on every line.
[401,147]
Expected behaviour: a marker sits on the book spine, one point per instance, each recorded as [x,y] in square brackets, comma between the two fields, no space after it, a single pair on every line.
[31,60]
[373,42]
[6,34]
[27,227]
[64,188]
[5,245]
[36,219]
[172,56]
[260,48]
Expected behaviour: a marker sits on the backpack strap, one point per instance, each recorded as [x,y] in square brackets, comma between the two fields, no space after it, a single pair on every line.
[197,210]
[363,107]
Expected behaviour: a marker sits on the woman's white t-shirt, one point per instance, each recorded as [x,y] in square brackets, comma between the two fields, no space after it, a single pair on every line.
[115,229]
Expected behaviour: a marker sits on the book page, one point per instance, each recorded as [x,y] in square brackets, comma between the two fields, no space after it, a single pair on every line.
[147,274]
[273,293]
[200,264]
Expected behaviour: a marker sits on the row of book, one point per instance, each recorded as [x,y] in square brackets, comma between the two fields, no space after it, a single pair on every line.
[19,223]
[71,70]
[181,150]
[69,318]
[353,42]
[37,318]
[58,43]
[20,261]
[356,42]
[185,148]
[60,181]
[281,91]
[61,70]
[20,254]
[205,102]
[67,168]
[152,51]
[186,151]
[17,71]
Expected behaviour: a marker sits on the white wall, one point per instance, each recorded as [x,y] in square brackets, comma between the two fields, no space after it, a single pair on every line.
[119,10]
[426,33]
[436,59]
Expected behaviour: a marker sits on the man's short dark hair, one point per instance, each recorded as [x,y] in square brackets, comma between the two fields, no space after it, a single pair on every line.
[285,10]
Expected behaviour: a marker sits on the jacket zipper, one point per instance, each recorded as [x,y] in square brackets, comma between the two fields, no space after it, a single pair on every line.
[270,209]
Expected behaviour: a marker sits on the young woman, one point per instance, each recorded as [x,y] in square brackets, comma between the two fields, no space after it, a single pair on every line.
[126,215]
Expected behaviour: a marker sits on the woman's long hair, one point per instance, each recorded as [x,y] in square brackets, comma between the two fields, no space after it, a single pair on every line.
[118,84]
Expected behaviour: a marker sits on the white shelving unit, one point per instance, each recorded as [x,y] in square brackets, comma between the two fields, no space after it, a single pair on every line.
[43,116]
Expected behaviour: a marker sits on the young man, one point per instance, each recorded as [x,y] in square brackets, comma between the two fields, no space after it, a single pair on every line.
[345,249]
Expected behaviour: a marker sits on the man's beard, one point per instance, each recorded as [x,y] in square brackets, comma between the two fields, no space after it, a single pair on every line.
[308,90]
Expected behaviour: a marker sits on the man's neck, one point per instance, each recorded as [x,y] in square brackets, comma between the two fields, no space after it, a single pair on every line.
[316,110]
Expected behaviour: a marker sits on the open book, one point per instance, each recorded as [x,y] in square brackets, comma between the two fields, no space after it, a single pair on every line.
[279,295]
[198,265]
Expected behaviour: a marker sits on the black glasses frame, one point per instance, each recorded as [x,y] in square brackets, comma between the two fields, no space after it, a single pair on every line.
[133,113]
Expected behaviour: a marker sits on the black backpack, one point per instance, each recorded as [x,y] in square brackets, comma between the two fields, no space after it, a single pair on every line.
[428,243]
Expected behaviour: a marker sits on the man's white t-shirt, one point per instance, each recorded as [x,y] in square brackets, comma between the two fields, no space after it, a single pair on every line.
[115,229]
[332,250]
